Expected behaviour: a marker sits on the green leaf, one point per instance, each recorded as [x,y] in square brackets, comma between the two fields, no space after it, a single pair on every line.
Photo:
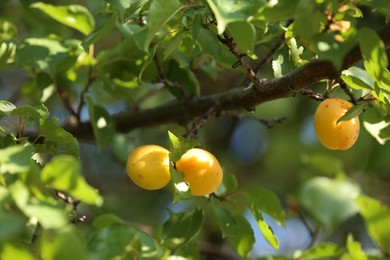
[100,32]
[9,109]
[6,108]
[160,12]
[267,202]
[324,164]
[15,251]
[244,34]
[16,159]
[377,219]
[184,77]
[229,184]
[354,249]
[329,201]
[181,190]
[7,53]
[120,241]
[357,78]
[224,219]
[40,111]
[64,173]
[323,250]
[120,5]
[75,16]
[243,241]
[106,220]
[48,215]
[333,50]
[8,30]
[102,124]
[228,11]
[181,228]
[353,112]
[376,126]
[51,55]
[307,21]
[11,224]
[57,140]
[278,11]
[268,233]
[179,145]
[374,55]
[173,44]
[62,244]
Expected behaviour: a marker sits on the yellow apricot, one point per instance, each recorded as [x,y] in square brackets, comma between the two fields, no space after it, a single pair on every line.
[148,167]
[201,171]
[333,135]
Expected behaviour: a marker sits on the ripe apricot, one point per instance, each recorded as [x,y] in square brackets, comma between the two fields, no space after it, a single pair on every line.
[201,171]
[148,167]
[333,135]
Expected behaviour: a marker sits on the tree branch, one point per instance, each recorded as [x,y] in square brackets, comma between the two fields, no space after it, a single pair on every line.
[186,109]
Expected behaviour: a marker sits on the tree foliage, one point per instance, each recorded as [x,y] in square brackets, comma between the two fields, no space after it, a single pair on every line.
[95,71]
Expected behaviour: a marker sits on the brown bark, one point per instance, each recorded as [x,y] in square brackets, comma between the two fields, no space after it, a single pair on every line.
[185,110]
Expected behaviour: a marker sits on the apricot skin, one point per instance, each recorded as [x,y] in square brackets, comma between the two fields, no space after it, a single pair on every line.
[148,167]
[333,135]
[201,171]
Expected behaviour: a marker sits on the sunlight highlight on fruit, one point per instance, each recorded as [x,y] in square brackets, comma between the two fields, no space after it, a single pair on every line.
[201,170]
[148,167]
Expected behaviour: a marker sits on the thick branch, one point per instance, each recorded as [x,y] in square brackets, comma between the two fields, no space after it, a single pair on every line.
[184,110]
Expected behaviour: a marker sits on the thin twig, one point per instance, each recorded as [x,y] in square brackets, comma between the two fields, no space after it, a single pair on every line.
[314,95]
[229,42]
[347,91]
[199,123]
[65,99]
[163,78]
[83,92]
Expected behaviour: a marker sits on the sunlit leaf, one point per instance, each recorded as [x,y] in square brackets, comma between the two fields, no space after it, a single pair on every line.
[377,218]
[374,55]
[55,244]
[16,250]
[57,140]
[357,78]
[48,215]
[322,250]
[228,11]
[329,201]
[160,12]
[244,240]
[179,145]
[99,32]
[243,34]
[355,251]
[224,219]
[75,16]
[267,202]
[16,159]
[353,112]
[64,173]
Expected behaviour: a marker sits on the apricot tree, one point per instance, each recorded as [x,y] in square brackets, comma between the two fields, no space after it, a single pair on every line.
[83,83]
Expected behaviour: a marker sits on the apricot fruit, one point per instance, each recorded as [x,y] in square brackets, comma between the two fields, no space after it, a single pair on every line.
[148,167]
[201,171]
[332,134]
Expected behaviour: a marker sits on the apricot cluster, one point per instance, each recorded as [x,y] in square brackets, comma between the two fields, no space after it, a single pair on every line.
[148,167]
[332,133]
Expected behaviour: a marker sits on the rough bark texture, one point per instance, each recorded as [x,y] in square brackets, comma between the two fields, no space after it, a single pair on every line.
[184,110]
